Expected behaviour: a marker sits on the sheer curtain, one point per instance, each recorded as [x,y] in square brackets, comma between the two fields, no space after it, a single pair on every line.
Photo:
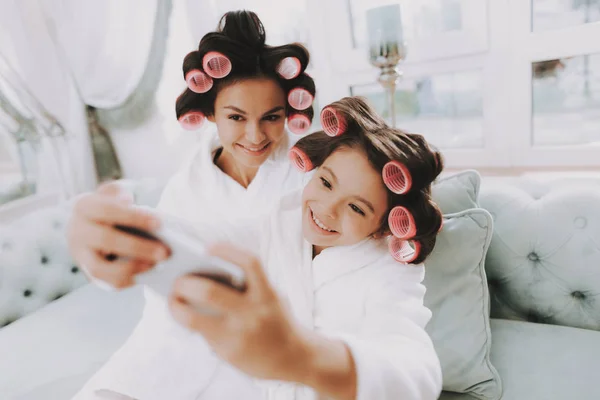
[71,54]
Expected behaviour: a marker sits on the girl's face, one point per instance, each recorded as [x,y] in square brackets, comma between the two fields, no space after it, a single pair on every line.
[344,202]
[250,117]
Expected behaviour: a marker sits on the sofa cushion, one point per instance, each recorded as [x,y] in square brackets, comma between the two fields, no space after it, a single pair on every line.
[543,262]
[457,295]
[457,192]
[51,353]
[547,362]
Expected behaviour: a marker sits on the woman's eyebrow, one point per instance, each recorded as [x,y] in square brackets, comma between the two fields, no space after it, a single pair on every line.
[274,110]
[234,108]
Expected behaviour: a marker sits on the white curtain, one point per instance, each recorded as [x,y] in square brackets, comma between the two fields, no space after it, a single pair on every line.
[71,53]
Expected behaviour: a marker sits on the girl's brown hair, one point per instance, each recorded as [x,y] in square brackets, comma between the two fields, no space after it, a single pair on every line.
[367,131]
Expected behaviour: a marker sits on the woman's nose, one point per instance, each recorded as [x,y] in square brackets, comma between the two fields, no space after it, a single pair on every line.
[254,133]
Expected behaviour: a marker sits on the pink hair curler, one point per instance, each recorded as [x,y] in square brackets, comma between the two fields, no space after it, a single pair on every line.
[216,65]
[300,159]
[404,251]
[396,177]
[402,223]
[289,68]
[198,81]
[333,122]
[298,124]
[300,98]
[192,120]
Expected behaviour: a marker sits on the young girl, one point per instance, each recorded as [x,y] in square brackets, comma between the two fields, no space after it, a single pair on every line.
[338,309]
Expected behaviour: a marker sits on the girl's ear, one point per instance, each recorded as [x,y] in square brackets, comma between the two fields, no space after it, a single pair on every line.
[211,118]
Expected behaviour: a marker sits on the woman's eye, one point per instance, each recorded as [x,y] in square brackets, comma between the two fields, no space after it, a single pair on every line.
[357,210]
[272,117]
[326,183]
[235,117]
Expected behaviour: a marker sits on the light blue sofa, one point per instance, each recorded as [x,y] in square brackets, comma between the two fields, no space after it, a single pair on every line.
[543,270]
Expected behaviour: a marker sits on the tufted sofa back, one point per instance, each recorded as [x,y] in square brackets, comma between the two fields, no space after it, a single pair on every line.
[543,264]
[35,265]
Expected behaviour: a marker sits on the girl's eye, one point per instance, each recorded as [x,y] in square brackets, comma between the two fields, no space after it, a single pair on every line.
[273,117]
[326,183]
[357,210]
[235,117]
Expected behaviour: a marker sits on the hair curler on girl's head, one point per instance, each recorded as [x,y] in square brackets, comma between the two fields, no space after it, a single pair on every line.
[300,160]
[333,121]
[396,177]
[403,251]
[401,223]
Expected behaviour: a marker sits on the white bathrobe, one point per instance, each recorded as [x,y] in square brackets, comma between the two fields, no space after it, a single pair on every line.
[356,293]
[202,195]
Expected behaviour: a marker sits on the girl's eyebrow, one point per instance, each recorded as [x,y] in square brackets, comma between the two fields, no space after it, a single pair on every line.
[359,198]
[367,203]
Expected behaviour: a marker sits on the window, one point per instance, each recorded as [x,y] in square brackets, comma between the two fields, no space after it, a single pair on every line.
[493,83]
[447,106]
[566,101]
[558,14]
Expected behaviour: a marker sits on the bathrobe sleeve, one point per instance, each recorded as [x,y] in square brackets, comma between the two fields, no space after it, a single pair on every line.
[394,356]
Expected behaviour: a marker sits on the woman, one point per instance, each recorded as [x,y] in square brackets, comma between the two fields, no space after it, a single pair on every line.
[234,177]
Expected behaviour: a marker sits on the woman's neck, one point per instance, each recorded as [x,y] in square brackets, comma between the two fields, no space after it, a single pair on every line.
[239,173]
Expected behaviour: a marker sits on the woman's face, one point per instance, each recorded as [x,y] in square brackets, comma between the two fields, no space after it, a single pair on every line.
[250,117]
[344,202]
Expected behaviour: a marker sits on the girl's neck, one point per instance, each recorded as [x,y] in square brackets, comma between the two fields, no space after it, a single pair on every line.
[239,173]
[317,250]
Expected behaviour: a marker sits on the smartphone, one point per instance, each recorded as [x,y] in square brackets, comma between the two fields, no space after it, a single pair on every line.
[188,256]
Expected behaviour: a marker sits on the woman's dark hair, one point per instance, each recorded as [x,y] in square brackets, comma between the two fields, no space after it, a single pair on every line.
[367,131]
[240,36]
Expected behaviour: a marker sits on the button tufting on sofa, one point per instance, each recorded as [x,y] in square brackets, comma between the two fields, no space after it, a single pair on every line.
[35,264]
[543,264]
[580,222]
[578,295]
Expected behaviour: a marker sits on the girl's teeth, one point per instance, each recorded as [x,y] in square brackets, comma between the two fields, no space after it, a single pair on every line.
[320,224]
